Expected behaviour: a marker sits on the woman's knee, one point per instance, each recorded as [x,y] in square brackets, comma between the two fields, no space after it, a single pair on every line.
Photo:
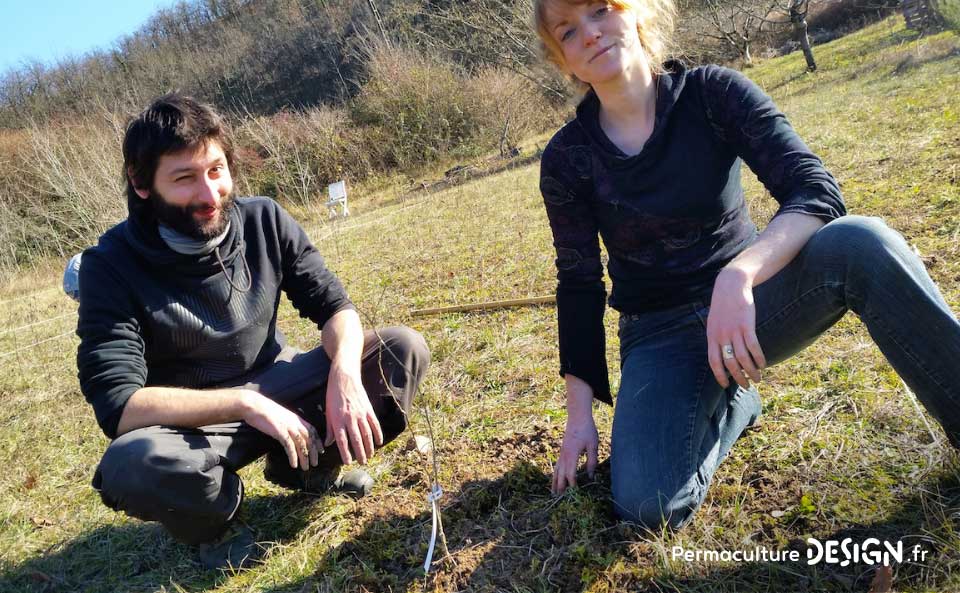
[654,496]
[874,257]
[863,239]
[655,509]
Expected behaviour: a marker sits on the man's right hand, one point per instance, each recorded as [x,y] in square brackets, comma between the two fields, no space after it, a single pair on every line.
[298,437]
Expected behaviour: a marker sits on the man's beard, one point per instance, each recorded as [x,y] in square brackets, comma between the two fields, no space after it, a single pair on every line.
[181,219]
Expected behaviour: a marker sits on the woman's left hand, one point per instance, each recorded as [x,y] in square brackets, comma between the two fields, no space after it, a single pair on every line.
[732,345]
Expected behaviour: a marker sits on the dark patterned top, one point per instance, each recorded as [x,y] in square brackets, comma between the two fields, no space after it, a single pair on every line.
[151,316]
[673,215]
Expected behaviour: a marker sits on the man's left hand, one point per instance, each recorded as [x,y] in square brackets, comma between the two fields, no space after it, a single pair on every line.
[351,421]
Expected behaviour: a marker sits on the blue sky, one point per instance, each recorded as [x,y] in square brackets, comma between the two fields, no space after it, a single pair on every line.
[47,30]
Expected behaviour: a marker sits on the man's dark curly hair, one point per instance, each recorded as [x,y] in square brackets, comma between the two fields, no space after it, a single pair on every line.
[171,123]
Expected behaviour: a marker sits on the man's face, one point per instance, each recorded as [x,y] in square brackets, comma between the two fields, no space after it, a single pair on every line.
[192,191]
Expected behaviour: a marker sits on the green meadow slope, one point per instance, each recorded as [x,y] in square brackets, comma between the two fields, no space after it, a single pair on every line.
[842,450]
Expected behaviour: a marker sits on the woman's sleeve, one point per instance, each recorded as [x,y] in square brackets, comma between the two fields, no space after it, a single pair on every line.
[580,290]
[746,117]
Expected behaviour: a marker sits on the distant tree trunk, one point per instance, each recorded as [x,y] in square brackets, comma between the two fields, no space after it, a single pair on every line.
[742,45]
[798,16]
[805,45]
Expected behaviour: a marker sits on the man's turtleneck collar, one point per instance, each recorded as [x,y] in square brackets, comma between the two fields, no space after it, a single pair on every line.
[187,245]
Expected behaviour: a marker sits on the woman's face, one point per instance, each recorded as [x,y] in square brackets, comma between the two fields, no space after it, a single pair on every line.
[599,42]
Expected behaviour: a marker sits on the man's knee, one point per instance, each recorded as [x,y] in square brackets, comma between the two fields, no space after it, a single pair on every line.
[137,469]
[159,477]
[404,358]
[393,378]
[653,508]
[407,344]
[128,469]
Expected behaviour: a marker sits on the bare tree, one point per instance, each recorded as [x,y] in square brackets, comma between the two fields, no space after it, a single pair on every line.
[739,24]
[483,33]
[736,24]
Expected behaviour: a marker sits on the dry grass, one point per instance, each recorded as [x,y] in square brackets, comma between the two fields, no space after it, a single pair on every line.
[61,182]
[841,452]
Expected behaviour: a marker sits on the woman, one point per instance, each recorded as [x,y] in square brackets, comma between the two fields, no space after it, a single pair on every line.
[652,165]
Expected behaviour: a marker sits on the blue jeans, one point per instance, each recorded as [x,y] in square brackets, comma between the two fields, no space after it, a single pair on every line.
[674,424]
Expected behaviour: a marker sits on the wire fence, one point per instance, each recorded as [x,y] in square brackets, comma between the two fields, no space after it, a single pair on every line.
[36,323]
[29,295]
[35,346]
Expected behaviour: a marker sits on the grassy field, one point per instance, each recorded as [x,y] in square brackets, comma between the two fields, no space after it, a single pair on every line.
[842,450]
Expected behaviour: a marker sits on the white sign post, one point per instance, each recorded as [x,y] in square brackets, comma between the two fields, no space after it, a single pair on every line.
[337,194]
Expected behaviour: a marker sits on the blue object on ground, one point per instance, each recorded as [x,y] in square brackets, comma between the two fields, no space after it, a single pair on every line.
[71,277]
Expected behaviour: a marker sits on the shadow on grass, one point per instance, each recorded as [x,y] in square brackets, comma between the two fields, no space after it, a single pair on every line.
[907,58]
[788,80]
[929,518]
[509,534]
[848,70]
[502,535]
[140,556]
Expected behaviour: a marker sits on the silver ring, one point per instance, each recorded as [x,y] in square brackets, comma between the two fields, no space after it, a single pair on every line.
[727,351]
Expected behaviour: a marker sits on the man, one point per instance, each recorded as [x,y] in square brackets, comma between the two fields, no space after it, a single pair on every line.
[180,354]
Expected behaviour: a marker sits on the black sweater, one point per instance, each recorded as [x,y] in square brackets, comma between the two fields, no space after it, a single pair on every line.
[673,215]
[151,316]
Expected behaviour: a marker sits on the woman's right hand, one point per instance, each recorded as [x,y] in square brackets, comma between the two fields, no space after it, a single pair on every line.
[579,437]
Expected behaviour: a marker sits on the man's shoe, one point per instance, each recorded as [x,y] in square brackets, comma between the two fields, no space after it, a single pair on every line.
[354,482]
[235,549]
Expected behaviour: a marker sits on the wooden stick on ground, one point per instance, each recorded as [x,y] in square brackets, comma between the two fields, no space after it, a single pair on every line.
[543,300]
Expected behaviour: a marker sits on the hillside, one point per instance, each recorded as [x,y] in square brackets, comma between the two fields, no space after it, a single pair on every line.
[842,450]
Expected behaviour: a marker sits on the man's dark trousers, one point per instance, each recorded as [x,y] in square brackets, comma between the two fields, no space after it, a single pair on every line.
[187,478]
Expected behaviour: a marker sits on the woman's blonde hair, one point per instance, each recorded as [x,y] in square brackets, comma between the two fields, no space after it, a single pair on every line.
[654,25]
